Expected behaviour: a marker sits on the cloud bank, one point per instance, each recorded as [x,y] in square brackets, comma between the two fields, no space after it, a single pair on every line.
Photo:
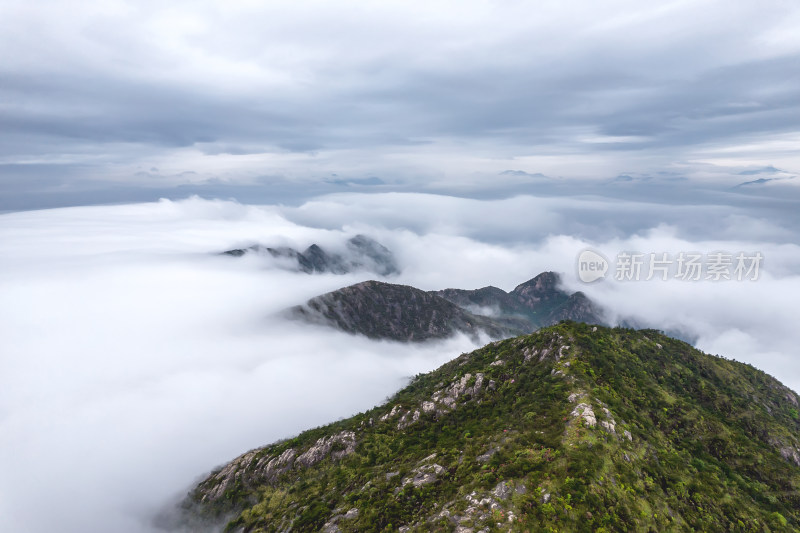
[135,359]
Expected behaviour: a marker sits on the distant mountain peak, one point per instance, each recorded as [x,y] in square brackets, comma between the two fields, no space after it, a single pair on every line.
[361,253]
[399,312]
[541,286]
[540,301]
[382,310]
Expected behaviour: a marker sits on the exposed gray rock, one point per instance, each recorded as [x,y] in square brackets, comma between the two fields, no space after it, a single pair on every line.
[529,353]
[561,352]
[502,491]
[404,420]
[390,414]
[584,411]
[791,454]
[256,467]
[424,475]
[609,424]
[486,456]
[222,480]
[791,398]
[346,441]
[475,499]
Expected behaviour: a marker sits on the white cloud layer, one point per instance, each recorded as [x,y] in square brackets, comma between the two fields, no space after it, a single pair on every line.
[133,359]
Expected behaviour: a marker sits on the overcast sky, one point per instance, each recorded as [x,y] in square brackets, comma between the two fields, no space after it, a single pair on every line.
[278,101]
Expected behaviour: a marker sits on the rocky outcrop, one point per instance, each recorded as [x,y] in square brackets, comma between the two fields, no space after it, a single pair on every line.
[261,467]
[791,454]
[324,447]
[424,475]
[584,411]
[442,401]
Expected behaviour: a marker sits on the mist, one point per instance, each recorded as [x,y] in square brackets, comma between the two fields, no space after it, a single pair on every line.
[134,358]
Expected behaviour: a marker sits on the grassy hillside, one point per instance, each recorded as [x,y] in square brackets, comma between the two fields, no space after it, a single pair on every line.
[573,428]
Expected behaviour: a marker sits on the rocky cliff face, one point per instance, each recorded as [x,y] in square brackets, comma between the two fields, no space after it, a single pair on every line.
[534,304]
[398,312]
[361,254]
[573,428]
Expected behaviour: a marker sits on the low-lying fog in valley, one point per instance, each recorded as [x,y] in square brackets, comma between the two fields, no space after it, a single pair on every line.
[135,358]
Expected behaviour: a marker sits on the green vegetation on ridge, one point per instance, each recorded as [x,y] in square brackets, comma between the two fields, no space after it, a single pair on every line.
[573,428]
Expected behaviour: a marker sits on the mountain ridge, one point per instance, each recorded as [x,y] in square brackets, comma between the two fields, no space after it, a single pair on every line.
[572,428]
[540,301]
[360,253]
[381,310]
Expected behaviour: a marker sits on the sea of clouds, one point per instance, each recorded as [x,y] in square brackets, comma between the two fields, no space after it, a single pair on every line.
[134,358]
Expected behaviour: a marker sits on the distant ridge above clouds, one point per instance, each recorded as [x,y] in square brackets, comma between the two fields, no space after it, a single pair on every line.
[396,312]
[402,313]
[361,253]
[538,302]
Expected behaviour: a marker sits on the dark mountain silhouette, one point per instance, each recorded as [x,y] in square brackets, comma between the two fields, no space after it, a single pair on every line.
[361,253]
[538,302]
[402,313]
[398,312]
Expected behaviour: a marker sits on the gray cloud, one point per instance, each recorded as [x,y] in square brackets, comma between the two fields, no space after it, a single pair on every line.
[134,359]
[428,94]
[591,216]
